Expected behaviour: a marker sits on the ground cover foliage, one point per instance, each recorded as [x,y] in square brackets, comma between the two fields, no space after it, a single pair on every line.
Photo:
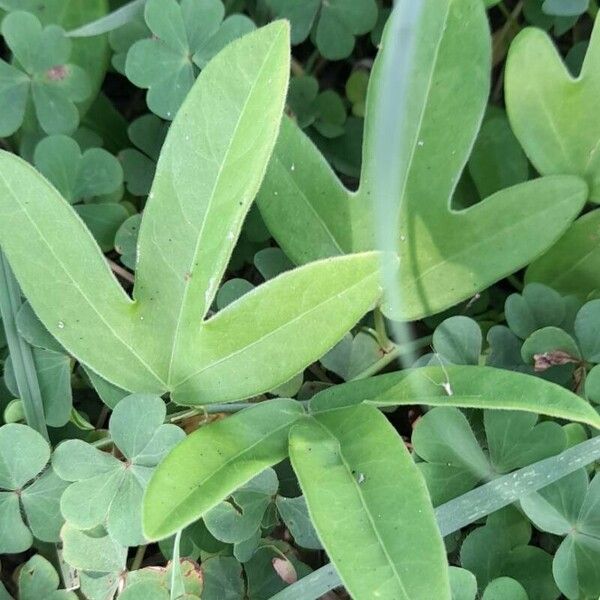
[299,299]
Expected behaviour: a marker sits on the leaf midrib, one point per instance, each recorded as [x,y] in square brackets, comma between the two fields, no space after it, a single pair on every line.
[370,518]
[199,238]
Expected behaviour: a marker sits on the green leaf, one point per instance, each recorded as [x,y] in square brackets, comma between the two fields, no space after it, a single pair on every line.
[105,490]
[516,439]
[104,221]
[472,387]
[587,330]
[446,255]
[542,97]
[454,461]
[354,489]
[504,588]
[222,579]
[571,266]
[24,454]
[458,340]
[197,207]
[565,8]
[353,355]
[336,22]
[210,464]
[185,34]
[221,365]
[294,513]
[24,493]
[549,346]
[156,342]
[569,508]
[463,584]
[92,551]
[238,520]
[74,174]
[54,83]
[538,306]
[497,160]
[38,580]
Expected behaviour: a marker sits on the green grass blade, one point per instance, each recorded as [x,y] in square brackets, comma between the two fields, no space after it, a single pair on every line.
[20,351]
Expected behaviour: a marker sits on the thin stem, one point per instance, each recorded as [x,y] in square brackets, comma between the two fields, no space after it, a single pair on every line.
[518,285]
[120,271]
[392,355]
[381,332]
[138,559]
[20,351]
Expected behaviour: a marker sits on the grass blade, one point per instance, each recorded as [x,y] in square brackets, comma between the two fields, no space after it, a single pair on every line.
[20,351]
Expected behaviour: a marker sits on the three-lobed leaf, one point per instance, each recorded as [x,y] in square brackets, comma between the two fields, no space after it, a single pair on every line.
[410,169]
[209,171]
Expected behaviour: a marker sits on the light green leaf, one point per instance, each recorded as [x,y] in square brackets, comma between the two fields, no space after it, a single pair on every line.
[472,387]
[505,588]
[210,464]
[542,97]
[209,171]
[39,581]
[572,265]
[463,584]
[92,551]
[24,454]
[41,503]
[458,340]
[446,255]
[16,536]
[197,207]
[294,513]
[454,460]
[223,363]
[369,504]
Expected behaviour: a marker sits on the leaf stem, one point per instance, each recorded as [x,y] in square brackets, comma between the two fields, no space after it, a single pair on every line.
[138,559]
[393,354]
[20,351]
[381,332]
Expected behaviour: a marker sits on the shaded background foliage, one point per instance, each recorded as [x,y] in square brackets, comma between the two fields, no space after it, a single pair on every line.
[94,127]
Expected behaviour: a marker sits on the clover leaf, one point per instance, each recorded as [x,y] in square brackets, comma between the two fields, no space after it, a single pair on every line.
[569,508]
[156,582]
[42,73]
[27,490]
[492,551]
[98,558]
[458,340]
[542,97]
[353,354]
[240,519]
[186,35]
[335,23]
[38,580]
[147,133]
[87,179]
[106,490]
[325,111]
[454,460]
